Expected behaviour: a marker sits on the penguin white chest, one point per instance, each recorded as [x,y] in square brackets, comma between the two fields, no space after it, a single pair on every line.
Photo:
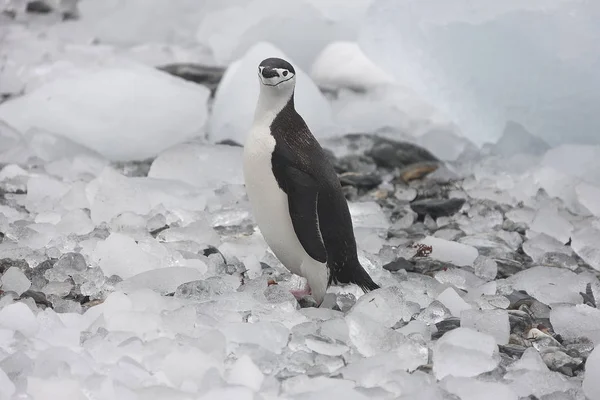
[270,203]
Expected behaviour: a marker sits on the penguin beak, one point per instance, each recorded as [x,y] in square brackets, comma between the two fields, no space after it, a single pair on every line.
[268,72]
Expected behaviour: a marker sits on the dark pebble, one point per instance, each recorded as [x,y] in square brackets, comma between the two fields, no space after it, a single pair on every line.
[354,163]
[437,207]
[206,75]
[512,350]
[38,7]
[307,301]
[444,326]
[229,142]
[360,180]
[38,297]
[398,264]
[393,154]
[6,263]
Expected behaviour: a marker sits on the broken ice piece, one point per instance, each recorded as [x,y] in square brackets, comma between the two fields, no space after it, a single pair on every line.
[450,299]
[451,252]
[464,352]
[485,268]
[14,280]
[245,373]
[493,322]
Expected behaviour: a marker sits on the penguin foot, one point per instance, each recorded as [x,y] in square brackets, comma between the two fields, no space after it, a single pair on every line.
[300,293]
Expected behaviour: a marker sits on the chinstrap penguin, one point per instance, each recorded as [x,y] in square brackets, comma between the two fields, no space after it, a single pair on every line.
[295,193]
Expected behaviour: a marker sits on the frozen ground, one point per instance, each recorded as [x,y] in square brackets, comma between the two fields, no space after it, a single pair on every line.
[130,265]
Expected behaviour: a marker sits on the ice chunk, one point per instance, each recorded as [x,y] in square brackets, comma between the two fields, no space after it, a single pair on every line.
[586,243]
[379,109]
[129,22]
[370,337]
[450,299]
[272,336]
[548,220]
[120,255]
[19,317]
[472,389]
[485,268]
[591,384]
[163,280]
[530,360]
[376,370]
[344,65]
[434,313]
[325,346]
[75,222]
[245,373]
[516,139]
[302,384]
[14,280]
[114,105]
[54,388]
[183,363]
[587,195]
[493,322]
[443,49]
[237,94]
[575,322]
[200,165]
[458,277]
[463,352]
[112,194]
[443,142]
[451,252]
[43,193]
[542,244]
[233,28]
[368,214]
[386,306]
[550,285]
[7,388]
[576,161]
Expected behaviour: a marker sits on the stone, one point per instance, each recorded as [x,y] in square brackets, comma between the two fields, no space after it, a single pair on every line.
[437,207]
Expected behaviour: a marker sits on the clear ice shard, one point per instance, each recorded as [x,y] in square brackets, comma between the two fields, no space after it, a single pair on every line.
[492,322]
[550,284]
[577,321]
[591,384]
[452,252]
[464,352]
[14,280]
[201,165]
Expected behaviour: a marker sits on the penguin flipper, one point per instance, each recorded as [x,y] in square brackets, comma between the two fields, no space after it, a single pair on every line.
[303,194]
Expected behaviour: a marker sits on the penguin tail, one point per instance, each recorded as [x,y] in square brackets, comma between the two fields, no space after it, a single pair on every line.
[353,273]
[363,280]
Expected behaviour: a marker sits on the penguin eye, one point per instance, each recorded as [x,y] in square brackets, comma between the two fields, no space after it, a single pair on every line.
[285,73]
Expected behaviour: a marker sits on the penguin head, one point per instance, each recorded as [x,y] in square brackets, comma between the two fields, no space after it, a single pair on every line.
[277,75]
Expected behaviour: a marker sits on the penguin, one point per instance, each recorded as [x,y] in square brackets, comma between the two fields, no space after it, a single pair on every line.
[294,192]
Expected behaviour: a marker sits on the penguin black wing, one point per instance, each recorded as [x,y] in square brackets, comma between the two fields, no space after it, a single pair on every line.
[303,195]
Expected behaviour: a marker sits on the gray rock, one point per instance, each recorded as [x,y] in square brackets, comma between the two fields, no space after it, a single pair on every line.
[399,264]
[205,75]
[437,207]
[445,326]
[361,180]
[557,360]
[389,153]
